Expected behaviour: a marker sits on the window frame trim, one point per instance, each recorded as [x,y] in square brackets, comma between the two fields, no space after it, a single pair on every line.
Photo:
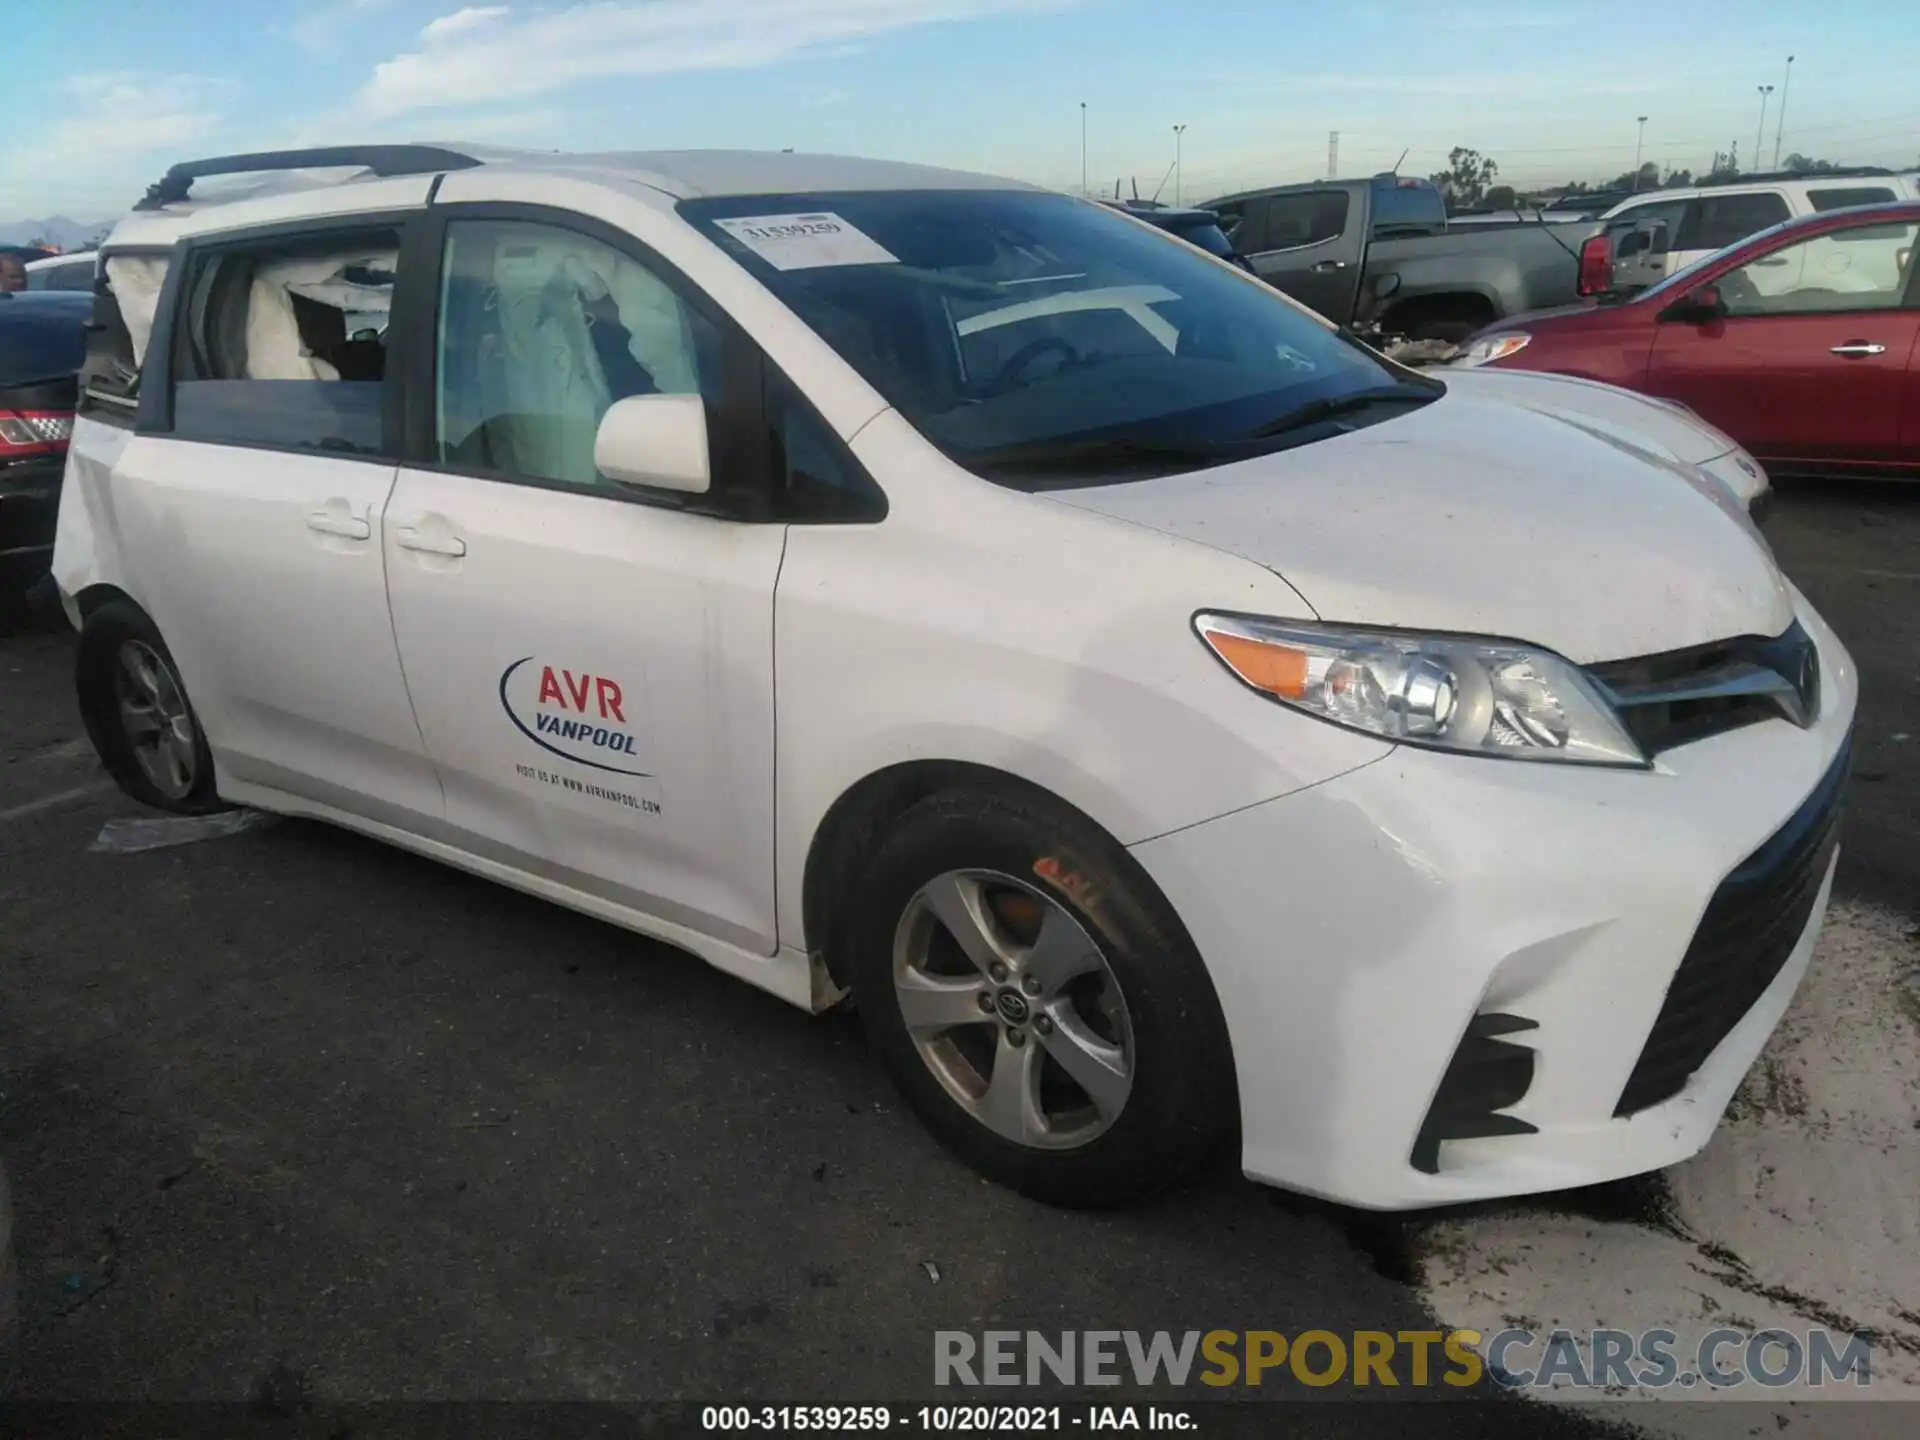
[1697,209]
[1887,196]
[1338,235]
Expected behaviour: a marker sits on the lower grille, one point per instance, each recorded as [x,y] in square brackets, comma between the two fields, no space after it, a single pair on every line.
[1751,925]
[1486,1075]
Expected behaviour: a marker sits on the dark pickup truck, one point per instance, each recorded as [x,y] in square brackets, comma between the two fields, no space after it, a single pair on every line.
[1378,254]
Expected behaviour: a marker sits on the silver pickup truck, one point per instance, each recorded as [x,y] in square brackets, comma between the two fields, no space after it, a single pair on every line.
[1379,253]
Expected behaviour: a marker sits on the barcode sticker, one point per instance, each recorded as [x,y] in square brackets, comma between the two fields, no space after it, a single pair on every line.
[806,242]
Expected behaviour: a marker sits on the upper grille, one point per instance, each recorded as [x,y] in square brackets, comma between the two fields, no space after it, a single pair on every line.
[1749,929]
[1686,695]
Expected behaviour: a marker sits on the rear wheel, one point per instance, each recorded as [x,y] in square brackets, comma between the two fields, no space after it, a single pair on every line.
[138,715]
[1037,1001]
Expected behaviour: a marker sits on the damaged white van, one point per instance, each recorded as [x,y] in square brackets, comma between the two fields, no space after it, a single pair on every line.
[1172,722]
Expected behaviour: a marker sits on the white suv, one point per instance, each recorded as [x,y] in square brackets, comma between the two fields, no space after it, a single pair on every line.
[1664,231]
[1168,718]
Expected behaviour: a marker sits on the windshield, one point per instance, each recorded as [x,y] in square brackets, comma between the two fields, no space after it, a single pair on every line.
[1009,322]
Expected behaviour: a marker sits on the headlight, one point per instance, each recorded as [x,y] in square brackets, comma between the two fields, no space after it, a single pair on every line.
[1482,697]
[1490,348]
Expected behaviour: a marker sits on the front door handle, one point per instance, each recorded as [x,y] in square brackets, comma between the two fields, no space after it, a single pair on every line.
[1327,267]
[408,537]
[1854,349]
[335,519]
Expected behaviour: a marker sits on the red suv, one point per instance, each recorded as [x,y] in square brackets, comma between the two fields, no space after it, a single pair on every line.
[1800,342]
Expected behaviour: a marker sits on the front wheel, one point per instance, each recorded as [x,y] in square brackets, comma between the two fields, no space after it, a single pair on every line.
[1038,1002]
[138,715]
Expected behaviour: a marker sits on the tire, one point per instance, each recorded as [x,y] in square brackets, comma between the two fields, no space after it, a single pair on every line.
[116,637]
[1037,863]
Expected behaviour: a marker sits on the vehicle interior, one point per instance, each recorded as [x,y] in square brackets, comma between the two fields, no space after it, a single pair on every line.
[542,331]
[1866,268]
[316,315]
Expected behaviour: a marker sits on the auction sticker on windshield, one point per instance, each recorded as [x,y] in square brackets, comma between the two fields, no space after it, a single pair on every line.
[807,242]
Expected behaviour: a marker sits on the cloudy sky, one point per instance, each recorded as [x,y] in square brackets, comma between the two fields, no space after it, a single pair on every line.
[102,94]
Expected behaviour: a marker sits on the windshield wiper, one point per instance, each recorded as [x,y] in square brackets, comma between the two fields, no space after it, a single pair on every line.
[1071,454]
[1316,412]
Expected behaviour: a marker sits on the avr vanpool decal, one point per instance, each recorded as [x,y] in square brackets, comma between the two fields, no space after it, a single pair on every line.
[576,715]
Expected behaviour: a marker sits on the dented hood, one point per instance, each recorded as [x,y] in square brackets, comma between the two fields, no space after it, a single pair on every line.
[1487,512]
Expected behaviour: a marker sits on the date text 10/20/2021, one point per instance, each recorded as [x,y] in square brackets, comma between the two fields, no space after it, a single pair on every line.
[941,1419]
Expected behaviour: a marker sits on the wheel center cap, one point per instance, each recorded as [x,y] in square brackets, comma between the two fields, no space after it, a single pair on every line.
[1012,1006]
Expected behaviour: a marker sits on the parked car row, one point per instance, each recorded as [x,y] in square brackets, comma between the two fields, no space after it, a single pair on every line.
[1380,252]
[1656,234]
[1802,342]
[42,344]
[1384,253]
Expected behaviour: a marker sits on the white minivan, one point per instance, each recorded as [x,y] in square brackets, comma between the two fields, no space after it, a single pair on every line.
[1173,723]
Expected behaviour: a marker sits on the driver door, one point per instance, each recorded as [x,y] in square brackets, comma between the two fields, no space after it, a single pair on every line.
[1809,363]
[591,663]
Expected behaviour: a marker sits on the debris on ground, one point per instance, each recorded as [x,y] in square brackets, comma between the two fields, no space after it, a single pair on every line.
[127,837]
[1421,352]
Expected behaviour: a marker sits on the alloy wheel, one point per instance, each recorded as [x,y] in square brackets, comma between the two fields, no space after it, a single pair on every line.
[1013,1007]
[155,719]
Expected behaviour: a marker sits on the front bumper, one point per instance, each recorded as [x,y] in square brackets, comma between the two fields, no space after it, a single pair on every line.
[1355,929]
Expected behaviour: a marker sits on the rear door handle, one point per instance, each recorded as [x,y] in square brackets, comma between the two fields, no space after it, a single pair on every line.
[336,519]
[407,537]
[1328,266]
[1854,349]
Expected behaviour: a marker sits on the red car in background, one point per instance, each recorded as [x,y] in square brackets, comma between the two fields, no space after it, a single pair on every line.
[1801,342]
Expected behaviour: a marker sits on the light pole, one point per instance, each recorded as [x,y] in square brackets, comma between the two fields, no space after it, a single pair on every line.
[1083,147]
[1780,125]
[1639,142]
[1759,135]
[1178,131]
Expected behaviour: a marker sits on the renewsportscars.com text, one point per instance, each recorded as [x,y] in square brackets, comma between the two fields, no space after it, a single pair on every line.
[1514,1359]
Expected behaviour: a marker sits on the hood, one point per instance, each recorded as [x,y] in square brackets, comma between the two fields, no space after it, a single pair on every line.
[1627,416]
[1481,515]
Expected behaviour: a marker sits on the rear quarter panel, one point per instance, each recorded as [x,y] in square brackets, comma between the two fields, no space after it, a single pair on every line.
[86,541]
[1514,268]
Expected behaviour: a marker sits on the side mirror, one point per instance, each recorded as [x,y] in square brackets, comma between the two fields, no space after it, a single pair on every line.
[655,441]
[1385,285]
[1697,307]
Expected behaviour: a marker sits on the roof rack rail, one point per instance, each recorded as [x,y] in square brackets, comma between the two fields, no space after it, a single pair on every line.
[1839,172]
[174,186]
